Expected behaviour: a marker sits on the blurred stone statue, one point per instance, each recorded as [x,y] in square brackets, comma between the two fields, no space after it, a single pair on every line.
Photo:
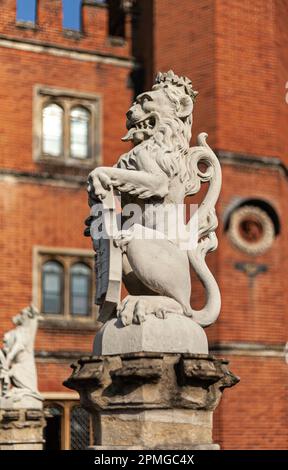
[18,376]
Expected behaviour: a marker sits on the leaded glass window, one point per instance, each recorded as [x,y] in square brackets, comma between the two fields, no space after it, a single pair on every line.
[52,287]
[80,284]
[79,428]
[79,133]
[52,122]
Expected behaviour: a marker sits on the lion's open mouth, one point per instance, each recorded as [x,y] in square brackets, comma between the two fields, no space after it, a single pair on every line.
[145,126]
[148,123]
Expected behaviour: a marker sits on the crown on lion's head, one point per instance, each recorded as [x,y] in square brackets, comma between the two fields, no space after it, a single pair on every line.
[168,105]
[181,82]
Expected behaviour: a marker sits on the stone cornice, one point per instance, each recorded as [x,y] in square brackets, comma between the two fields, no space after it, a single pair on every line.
[219,348]
[43,178]
[248,349]
[244,159]
[31,45]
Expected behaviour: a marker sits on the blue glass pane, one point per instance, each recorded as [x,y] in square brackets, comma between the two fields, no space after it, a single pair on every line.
[52,283]
[51,304]
[72,14]
[26,10]
[80,289]
[52,287]
[80,305]
[80,285]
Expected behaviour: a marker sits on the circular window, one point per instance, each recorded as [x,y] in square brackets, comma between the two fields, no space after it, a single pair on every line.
[251,229]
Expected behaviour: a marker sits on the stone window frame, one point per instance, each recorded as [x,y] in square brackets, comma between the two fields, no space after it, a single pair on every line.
[239,208]
[67,100]
[66,405]
[239,241]
[67,258]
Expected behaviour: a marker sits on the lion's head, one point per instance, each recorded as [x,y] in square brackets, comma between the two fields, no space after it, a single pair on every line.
[168,105]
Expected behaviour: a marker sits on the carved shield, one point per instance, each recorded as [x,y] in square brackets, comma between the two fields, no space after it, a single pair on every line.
[103,226]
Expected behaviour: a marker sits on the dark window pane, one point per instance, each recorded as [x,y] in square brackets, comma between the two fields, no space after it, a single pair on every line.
[52,275]
[79,133]
[116,19]
[26,11]
[52,431]
[80,428]
[80,286]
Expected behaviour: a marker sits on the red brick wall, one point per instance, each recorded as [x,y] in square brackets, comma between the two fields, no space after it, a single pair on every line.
[252,311]
[184,42]
[21,71]
[49,28]
[52,375]
[247,83]
[253,414]
[234,53]
[281,39]
[32,215]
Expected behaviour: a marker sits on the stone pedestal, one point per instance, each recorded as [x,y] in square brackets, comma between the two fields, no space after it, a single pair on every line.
[174,334]
[21,429]
[151,400]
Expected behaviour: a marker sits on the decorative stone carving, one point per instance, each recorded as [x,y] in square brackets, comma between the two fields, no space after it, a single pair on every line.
[251,230]
[252,270]
[176,333]
[151,400]
[21,429]
[18,377]
[156,176]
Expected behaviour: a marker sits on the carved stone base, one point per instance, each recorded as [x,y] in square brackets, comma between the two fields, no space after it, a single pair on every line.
[151,400]
[21,401]
[173,334]
[21,429]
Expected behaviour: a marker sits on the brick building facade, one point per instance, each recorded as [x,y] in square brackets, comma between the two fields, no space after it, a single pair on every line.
[85,79]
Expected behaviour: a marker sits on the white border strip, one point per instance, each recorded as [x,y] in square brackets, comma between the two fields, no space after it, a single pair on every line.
[75,55]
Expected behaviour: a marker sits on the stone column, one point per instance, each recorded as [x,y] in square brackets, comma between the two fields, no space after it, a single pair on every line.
[151,400]
[21,429]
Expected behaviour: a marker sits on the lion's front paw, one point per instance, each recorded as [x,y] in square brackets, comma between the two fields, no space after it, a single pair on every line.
[125,310]
[123,238]
[98,183]
[132,310]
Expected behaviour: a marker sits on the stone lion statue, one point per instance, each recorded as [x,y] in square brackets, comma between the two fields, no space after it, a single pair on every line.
[158,173]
